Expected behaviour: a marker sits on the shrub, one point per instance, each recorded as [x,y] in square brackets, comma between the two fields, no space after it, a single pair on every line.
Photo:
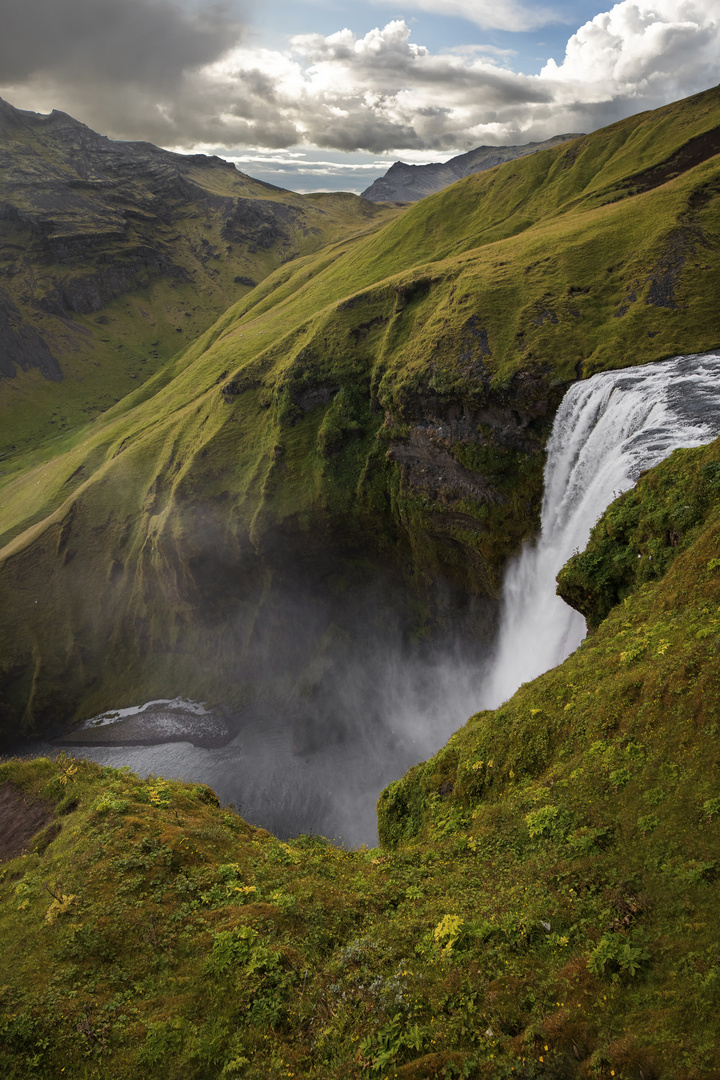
[619,955]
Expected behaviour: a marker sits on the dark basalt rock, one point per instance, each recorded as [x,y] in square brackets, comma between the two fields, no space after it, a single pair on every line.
[310,396]
[21,346]
[455,447]
[428,466]
[692,153]
[665,277]
[260,222]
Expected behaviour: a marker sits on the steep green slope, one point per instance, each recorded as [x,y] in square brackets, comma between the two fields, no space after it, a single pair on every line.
[369,421]
[639,536]
[545,905]
[112,255]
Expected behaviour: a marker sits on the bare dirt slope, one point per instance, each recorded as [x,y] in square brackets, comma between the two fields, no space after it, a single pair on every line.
[21,818]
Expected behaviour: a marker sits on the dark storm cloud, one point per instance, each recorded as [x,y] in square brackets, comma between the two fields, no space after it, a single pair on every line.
[145,41]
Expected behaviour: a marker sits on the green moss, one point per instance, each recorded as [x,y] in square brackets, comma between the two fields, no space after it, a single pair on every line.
[642,533]
[400,811]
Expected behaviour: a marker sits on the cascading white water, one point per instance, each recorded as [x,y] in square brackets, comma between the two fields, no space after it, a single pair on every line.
[607,431]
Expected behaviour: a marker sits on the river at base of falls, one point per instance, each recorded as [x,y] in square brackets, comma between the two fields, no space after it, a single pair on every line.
[607,431]
[281,772]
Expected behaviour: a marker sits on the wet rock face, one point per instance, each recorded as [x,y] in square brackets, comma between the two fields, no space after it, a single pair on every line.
[444,434]
[428,465]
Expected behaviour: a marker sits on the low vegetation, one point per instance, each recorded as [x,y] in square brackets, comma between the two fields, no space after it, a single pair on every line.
[370,419]
[543,904]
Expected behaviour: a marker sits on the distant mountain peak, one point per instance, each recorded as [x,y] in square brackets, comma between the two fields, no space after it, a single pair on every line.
[408,183]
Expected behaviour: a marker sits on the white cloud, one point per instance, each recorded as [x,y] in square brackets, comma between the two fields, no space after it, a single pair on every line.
[378,92]
[639,55]
[474,50]
[383,93]
[641,43]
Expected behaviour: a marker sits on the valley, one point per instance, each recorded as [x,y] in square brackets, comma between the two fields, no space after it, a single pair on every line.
[367,422]
[115,256]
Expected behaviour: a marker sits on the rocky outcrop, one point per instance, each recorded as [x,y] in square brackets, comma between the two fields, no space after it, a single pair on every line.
[260,224]
[441,434]
[429,466]
[21,346]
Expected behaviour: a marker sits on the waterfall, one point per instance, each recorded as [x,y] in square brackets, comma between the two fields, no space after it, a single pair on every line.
[608,429]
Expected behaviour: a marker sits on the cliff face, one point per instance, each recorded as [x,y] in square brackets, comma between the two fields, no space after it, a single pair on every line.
[368,421]
[21,346]
[280,510]
[115,254]
[407,183]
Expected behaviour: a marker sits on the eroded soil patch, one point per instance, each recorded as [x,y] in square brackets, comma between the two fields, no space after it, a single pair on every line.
[695,151]
[20,819]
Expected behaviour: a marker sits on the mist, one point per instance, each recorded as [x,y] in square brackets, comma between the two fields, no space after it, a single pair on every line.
[316,761]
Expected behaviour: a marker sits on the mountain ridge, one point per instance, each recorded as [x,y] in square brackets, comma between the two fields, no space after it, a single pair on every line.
[408,183]
[116,253]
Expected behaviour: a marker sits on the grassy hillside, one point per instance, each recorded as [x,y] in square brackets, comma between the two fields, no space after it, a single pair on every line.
[544,904]
[369,419]
[115,255]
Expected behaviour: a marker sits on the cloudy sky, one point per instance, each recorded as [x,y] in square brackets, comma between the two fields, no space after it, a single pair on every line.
[325,94]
